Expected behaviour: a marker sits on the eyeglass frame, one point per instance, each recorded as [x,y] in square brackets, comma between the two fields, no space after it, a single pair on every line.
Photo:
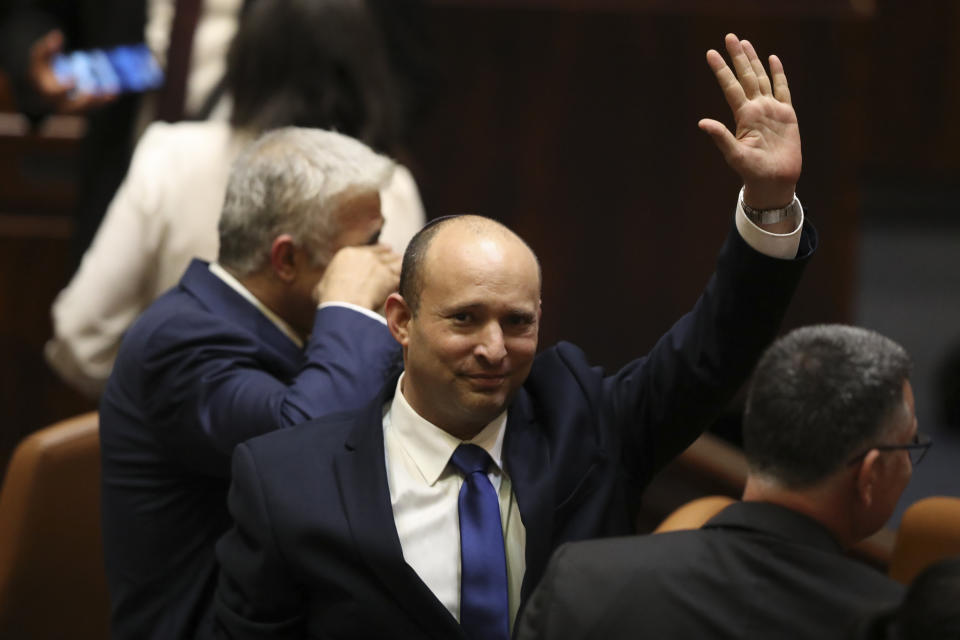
[921,442]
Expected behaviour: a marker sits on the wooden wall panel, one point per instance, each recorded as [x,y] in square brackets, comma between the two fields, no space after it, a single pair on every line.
[37,191]
[33,268]
[912,97]
[578,129]
[575,123]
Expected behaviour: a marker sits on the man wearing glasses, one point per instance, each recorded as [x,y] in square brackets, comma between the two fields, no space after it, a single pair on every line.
[831,439]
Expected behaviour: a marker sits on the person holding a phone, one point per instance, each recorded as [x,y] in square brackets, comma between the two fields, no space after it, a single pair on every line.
[165,212]
[36,34]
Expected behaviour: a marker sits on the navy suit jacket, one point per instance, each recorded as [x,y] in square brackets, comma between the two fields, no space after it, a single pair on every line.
[755,570]
[201,371]
[314,551]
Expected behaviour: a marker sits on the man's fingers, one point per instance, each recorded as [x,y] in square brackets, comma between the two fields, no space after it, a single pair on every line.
[363,275]
[748,79]
[722,137]
[385,254]
[377,248]
[41,72]
[729,84]
[780,89]
[49,86]
[390,259]
[762,80]
[394,263]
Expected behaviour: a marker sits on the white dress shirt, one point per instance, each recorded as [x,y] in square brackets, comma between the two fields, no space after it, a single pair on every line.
[237,286]
[775,245]
[424,491]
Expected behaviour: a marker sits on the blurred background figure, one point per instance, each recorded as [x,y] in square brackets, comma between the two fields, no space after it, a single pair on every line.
[188,37]
[930,609]
[320,64]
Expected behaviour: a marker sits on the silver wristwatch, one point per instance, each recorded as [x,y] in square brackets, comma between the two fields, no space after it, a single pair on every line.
[768,216]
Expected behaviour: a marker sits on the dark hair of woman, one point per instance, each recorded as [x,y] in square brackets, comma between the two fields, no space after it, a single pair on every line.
[314,63]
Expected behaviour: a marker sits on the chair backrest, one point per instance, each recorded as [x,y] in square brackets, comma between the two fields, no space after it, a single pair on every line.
[929,531]
[52,582]
[694,514]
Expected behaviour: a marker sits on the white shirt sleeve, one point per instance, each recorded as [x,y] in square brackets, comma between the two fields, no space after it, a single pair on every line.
[775,245]
[108,291]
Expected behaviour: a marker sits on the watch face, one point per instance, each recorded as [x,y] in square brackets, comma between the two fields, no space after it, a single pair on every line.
[769,216]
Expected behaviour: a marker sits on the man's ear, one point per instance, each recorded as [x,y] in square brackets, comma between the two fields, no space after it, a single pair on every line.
[868,478]
[283,258]
[398,315]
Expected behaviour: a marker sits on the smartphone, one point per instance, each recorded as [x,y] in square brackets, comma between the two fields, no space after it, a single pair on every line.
[127,68]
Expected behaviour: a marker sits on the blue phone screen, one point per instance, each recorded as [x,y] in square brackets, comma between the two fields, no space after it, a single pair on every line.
[117,70]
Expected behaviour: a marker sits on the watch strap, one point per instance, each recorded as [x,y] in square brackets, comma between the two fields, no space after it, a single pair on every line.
[768,216]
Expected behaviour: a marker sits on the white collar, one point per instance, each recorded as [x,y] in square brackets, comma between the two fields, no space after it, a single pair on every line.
[430,447]
[237,286]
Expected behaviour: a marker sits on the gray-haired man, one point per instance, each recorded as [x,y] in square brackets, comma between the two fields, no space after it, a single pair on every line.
[279,330]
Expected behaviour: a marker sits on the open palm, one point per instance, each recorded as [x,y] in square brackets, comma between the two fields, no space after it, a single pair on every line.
[765,151]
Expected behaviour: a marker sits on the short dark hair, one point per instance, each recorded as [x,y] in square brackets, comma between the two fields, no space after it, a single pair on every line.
[411,271]
[313,63]
[817,396]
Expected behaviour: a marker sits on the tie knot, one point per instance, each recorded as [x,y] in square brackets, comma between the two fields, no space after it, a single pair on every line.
[469,458]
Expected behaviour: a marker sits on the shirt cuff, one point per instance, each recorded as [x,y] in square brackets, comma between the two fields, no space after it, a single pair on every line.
[367,312]
[775,245]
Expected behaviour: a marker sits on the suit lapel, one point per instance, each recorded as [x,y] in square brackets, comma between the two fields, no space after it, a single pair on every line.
[527,459]
[362,478]
[214,294]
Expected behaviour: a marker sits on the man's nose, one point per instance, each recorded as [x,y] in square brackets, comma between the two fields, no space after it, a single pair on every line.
[490,346]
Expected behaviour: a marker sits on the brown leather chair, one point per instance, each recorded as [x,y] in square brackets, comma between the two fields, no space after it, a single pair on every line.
[694,514]
[52,583]
[929,531]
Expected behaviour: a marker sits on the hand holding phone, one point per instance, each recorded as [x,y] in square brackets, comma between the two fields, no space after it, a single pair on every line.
[83,80]
[58,92]
[127,68]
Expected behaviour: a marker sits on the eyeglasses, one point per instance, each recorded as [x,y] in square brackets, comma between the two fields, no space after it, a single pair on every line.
[917,448]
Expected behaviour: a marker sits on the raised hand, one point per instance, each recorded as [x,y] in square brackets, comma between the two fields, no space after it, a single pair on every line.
[765,151]
[363,275]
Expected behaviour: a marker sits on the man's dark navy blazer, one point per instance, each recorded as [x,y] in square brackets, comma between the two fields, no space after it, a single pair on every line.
[201,371]
[314,551]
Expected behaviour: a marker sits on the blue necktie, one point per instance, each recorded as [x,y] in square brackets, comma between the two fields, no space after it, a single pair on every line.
[484,612]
